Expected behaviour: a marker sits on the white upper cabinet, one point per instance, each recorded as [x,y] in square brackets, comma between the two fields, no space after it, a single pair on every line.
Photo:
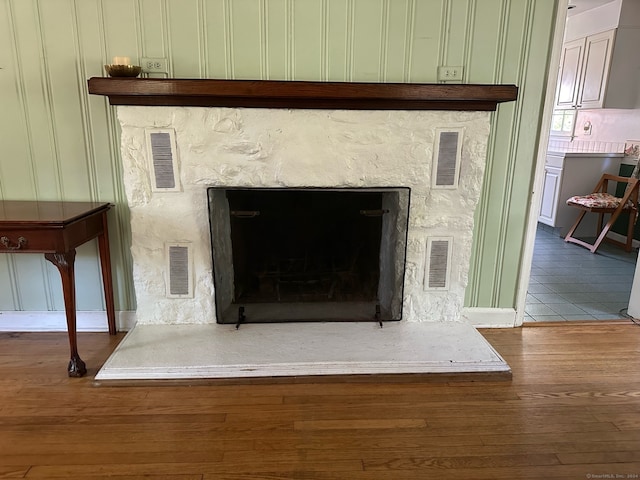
[569,74]
[598,72]
[600,62]
[596,65]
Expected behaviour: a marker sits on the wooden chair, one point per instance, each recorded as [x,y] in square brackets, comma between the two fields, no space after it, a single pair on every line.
[602,202]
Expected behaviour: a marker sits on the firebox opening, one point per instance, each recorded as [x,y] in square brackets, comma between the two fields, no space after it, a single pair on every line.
[308,254]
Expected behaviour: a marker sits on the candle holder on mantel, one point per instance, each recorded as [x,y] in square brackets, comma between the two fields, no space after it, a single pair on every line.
[121,67]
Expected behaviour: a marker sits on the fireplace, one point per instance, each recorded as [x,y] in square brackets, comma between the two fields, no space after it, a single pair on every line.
[268,203]
[292,254]
[239,153]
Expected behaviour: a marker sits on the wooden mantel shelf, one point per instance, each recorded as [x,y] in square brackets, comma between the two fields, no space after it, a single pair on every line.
[295,94]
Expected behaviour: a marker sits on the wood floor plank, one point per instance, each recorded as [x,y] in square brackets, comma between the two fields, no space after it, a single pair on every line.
[13,471]
[368,424]
[116,469]
[446,462]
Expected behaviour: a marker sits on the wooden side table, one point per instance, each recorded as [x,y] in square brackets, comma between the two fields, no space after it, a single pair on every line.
[56,229]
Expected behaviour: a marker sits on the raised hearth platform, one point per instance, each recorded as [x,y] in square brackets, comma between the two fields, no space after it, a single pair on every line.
[174,352]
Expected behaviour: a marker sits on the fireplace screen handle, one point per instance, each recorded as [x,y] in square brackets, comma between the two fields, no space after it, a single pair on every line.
[245,213]
[373,213]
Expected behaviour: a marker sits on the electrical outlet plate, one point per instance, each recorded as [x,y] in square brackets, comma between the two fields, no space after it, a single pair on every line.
[450,74]
[154,65]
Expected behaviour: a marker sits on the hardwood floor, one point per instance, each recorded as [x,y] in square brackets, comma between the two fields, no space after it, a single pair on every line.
[571,411]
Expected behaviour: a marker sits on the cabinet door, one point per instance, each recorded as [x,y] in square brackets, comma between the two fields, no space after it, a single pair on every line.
[569,74]
[595,70]
[550,192]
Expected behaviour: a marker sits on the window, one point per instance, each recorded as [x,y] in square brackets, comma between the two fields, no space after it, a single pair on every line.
[562,122]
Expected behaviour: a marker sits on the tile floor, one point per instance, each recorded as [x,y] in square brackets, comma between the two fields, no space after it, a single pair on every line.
[570,283]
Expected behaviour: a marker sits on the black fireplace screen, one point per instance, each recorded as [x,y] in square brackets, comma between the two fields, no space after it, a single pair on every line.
[308,254]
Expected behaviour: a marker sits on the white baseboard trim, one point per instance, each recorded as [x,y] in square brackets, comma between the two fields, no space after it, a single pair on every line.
[57,321]
[481,317]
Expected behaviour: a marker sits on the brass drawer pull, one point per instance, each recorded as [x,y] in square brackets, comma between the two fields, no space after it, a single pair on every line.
[7,243]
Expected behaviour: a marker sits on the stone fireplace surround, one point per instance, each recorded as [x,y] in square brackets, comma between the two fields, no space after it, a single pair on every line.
[249,137]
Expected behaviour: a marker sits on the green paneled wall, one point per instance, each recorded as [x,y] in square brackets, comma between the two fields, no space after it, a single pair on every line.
[59,143]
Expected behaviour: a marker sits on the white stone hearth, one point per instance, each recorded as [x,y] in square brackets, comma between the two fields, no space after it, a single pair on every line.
[171,352]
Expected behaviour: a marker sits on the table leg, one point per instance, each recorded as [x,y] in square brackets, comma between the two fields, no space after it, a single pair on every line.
[107,280]
[65,264]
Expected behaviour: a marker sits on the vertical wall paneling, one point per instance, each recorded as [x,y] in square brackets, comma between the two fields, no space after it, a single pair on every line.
[61,76]
[526,143]
[337,44]
[184,36]
[47,105]
[408,39]
[21,144]
[324,47]
[204,43]
[139,21]
[245,36]
[108,146]
[29,126]
[228,39]
[512,153]
[514,50]
[167,34]
[82,94]
[368,48]
[68,106]
[490,208]
[52,286]
[13,121]
[120,29]
[290,39]
[457,33]
[426,39]
[482,60]
[151,28]
[264,41]
[396,46]
[89,295]
[217,52]
[275,47]
[482,63]
[307,41]
[95,115]
[115,41]
[351,31]
[384,41]
[468,37]
[31,284]
[8,298]
[444,32]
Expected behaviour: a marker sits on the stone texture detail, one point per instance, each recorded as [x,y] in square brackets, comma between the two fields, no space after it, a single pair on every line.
[246,147]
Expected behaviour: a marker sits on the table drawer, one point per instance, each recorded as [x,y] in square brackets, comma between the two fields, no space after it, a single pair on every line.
[30,240]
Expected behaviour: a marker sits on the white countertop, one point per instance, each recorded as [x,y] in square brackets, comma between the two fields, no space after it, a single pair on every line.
[586,154]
